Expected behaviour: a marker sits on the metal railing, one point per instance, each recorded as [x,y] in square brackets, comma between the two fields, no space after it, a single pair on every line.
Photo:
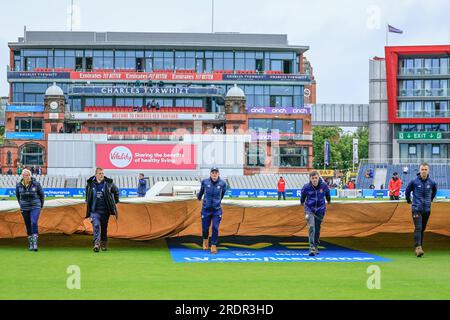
[424,71]
[423,114]
[441,92]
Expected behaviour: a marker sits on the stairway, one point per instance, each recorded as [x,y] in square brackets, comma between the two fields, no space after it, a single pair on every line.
[379,178]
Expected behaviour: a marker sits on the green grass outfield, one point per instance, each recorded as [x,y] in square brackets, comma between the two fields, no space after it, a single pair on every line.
[144,270]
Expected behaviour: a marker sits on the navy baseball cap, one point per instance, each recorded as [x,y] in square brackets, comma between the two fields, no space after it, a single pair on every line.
[214,169]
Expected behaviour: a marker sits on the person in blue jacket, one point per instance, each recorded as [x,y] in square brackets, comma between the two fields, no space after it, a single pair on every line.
[30,196]
[142,186]
[313,196]
[424,191]
[212,190]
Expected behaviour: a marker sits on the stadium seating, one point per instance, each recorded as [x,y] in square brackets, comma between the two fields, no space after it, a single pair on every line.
[267,181]
[262,181]
[438,172]
[46,181]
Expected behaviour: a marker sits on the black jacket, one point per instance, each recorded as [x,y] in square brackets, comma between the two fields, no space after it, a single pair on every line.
[111,196]
[31,197]
[424,192]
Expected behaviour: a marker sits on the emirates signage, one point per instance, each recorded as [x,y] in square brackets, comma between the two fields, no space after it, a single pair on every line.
[145,116]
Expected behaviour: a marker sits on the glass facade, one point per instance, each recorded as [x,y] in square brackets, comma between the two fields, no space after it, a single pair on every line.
[424,150]
[150,60]
[424,109]
[28,125]
[257,96]
[281,126]
[424,88]
[32,154]
[424,92]
[424,127]
[424,66]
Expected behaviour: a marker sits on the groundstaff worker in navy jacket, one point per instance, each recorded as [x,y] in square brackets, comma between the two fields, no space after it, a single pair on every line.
[313,196]
[102,195]
[30,196]
[424,191]
[213,189]
[142,186]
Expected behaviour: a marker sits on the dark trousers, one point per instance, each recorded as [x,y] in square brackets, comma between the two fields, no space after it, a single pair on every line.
[420,224]
[314,223]
[215,217]
[394,197]
[281,193]
[31,218]
[100,226]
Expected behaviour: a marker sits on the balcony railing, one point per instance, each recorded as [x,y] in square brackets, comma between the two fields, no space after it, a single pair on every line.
[441,92]
[423,114]
[424,71]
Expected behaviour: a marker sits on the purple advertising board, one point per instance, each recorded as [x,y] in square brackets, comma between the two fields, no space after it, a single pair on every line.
[276,110]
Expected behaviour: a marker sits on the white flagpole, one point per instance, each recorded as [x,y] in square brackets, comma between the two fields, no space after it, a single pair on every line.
[212,17]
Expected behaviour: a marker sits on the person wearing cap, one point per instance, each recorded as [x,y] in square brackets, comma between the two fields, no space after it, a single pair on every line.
[212,190]
[395,184]
[281,188]
[30,196]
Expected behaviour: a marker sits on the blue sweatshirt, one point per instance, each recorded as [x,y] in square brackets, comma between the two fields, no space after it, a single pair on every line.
[314,197]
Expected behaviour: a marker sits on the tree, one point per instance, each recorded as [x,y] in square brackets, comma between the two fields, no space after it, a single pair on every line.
[341,146]
[320,134]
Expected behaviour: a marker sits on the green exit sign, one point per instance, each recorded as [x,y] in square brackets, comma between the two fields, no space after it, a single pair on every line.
[420,135]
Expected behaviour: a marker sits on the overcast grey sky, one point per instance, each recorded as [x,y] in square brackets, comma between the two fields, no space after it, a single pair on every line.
[342,35]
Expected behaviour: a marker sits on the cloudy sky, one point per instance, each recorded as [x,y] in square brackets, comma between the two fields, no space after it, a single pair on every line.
[342,35]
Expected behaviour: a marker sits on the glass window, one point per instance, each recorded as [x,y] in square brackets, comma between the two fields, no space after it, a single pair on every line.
[59,62]
[239,64]
[108,63]
[293,157]
[34,53]
[250,64]
[436,150]
[218,63]
[148,65]
[276,65]
[158,63]
[199,66]
[32,154]
[168,63]
[281,90]
[299,126]
[284,126]
[228,64]
[69,62]
[59,53]
[130,63]
[256,155]
[41,62]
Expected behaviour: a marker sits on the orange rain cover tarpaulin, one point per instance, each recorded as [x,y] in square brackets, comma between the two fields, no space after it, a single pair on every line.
[145,219]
